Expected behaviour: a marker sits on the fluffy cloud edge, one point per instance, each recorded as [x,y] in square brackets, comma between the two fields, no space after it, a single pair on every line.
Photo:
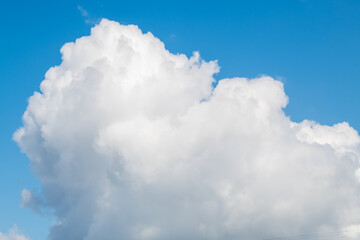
[14,234]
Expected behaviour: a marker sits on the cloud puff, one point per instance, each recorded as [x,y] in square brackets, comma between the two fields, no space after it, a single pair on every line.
[131,141]
[14,234]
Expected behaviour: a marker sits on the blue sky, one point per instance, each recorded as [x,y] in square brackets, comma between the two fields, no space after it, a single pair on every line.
[310,45]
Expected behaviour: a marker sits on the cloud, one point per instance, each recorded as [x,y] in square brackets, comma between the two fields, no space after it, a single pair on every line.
[14,234]
[131,141]
[352,231]
[83,11]
[87,18]
[31,200]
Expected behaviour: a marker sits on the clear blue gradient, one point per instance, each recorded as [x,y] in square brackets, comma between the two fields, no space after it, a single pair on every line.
[313,46]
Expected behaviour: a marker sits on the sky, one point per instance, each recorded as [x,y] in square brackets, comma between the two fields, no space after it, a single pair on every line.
[310,46]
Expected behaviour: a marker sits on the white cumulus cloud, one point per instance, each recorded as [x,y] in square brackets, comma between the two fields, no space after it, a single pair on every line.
[13,234]
[131,141]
